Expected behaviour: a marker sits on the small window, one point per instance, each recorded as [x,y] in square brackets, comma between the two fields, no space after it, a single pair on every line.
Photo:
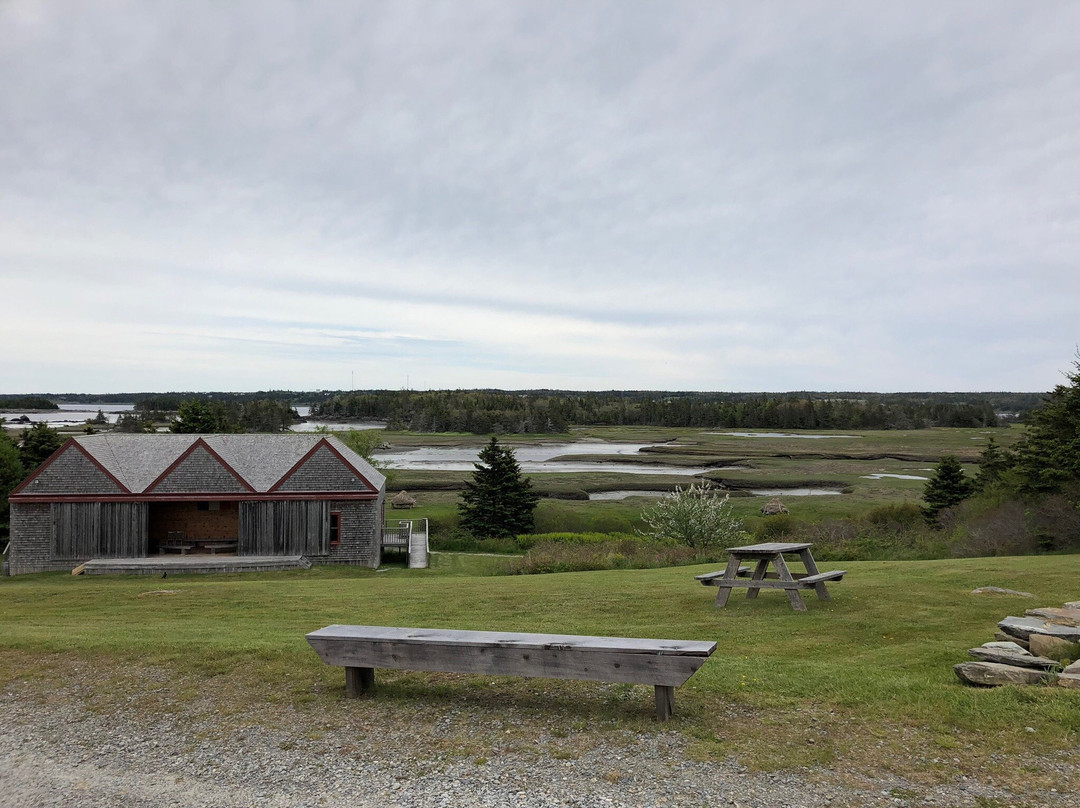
[209,506]
[335,528]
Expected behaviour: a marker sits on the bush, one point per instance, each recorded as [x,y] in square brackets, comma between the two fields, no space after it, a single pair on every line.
[626,553]
[693,516]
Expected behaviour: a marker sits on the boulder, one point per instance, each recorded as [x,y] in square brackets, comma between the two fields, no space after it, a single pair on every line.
[1024,627]
[1073,605]
[997,590]
[1020,659]
[992,674]
[1053,647]
[1003,637]
[1060,617]
[1069,680]
[1008,645]
[1073,669]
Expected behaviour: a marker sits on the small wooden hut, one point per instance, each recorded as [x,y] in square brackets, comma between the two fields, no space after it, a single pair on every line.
[402,501]
[774,507]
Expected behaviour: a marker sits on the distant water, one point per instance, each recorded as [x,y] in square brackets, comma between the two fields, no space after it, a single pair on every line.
[880,475]
[795,492]
[780,435]
[534,459]
[69,414]
[610,496]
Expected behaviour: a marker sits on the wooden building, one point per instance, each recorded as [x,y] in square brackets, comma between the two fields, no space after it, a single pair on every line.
[135,496]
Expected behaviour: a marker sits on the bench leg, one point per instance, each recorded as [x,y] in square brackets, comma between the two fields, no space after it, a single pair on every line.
[665,702]
[358,680]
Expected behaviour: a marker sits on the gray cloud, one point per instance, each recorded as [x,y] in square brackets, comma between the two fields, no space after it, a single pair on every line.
[775,196]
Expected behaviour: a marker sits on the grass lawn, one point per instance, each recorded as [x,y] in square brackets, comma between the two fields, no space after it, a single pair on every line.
[864,680]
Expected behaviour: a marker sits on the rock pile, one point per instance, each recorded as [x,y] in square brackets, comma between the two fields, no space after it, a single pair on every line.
[1029,650]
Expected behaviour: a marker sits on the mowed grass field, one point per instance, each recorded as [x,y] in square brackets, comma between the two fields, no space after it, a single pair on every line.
[864,680]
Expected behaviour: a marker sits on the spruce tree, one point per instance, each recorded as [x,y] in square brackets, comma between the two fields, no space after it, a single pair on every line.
[498,501]
[1049,454]
[946,488]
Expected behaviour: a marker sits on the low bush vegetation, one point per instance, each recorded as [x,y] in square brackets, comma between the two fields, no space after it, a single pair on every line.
[609,553]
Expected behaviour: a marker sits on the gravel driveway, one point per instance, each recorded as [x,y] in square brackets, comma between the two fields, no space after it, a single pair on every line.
[60,748]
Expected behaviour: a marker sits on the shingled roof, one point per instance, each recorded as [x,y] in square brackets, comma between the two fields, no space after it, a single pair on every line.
[262,461]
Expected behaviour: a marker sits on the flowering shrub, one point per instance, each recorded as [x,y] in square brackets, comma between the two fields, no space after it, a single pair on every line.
[693,516]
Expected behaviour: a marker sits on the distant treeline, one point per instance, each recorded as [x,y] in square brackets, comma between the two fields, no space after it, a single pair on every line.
[21,402]
[493,411]
[260,415]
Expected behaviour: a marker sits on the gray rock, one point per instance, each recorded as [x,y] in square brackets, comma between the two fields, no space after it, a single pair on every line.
[1069,680]
[992,674]
[997,590]
[1022,659]
[1073,668]
[1061,617]
[1001,636]
[1007,645]
[1053,647]
[1024,627]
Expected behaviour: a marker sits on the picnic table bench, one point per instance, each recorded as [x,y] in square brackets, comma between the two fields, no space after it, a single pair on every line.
[736,575]
[665,664]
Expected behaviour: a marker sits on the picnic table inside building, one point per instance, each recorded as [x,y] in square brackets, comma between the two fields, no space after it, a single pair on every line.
[770,553]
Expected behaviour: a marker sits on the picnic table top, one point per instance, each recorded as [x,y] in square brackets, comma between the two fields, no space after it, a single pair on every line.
[506,639]
[771,548]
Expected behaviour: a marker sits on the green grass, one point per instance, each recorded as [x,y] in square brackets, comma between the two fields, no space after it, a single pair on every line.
[866,678]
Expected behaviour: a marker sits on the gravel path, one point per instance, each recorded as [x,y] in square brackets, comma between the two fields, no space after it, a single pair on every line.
[61,749]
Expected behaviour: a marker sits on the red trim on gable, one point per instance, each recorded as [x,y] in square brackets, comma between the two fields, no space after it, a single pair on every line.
[345,460]
[299,463]
[203,496]
[55,456]
[187,453]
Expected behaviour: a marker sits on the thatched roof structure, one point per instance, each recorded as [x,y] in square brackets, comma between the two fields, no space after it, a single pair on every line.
[402,500]
[774,507]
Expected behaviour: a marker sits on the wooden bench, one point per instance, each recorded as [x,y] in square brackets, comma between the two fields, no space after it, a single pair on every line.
[175,546]
[214,546]
[665,664]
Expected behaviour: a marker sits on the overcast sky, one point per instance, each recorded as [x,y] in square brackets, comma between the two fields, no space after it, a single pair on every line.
[583,195]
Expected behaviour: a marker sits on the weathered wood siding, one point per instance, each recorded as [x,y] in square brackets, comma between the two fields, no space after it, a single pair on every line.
[361,529]
[82,530]
[323,471]
[284,528]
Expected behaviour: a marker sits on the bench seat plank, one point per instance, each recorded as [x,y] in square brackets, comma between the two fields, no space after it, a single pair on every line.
[833,575]
[709,576]
[456,638]
[665,664]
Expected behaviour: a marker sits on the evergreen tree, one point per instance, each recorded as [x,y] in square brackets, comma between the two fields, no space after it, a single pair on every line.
[946,488]
[11,473]
[498,501]
[37,443]
[993,463]
[1048,457]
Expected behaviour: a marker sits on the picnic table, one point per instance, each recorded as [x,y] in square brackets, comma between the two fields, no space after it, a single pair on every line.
[736,575]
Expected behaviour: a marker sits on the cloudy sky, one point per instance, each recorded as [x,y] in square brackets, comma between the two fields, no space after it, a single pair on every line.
[584,195]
